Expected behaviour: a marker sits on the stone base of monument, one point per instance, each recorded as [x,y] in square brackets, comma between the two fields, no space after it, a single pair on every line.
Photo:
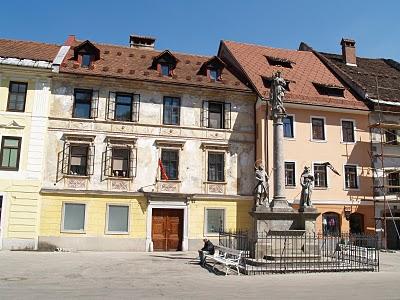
[284,233]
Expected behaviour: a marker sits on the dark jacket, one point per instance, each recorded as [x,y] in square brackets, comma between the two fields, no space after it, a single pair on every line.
[208,246]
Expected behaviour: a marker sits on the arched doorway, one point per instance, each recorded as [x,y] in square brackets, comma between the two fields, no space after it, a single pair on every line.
[331,223]
[356,221]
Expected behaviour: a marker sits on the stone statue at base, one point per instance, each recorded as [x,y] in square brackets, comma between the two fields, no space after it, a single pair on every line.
[261,190]
[307,184]
[276,95]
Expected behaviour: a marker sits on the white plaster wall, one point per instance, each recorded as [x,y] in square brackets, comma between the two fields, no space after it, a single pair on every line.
[239,158]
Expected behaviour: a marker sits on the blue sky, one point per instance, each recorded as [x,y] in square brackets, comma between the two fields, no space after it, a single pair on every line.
[198,26]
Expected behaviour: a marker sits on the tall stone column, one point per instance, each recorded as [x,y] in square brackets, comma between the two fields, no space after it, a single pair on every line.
[279,199]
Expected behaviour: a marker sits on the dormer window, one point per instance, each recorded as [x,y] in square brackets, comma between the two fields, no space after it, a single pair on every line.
[165,63]
[212,68]
[280,62]
[86,60]
[329,90]
[86,53]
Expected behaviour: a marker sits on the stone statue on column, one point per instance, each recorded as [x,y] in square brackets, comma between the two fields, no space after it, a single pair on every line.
[277,92]
[307,184]
[261,190]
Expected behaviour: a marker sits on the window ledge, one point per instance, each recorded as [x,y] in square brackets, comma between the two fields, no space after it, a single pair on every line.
[116,233]
[170,180]
[120,178]
[352,189]
[121,122]
[290,187]
[320,188]
[289,138]
[76,176]
[319,141]
[73,231]
[212,234]
[9,169]
[215,182]
[348,143]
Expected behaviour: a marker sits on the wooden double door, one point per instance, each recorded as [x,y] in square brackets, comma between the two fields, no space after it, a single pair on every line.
[167,229]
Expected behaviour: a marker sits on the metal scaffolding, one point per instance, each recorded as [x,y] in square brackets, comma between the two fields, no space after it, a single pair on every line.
[383,187]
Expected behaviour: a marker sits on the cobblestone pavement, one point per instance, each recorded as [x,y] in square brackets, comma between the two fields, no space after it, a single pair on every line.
[122,275]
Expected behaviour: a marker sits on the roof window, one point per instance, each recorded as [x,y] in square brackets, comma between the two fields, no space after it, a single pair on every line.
[329,90]
[267,81]
[280,62]
[212,68]
[165,63]
[86,53]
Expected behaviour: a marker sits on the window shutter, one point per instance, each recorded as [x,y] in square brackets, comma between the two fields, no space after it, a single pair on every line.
[204,114]
[110,106]
[95,105]
[107,162]
[65,158]
[133,162]
[135,107]
[227,115]
[90,162]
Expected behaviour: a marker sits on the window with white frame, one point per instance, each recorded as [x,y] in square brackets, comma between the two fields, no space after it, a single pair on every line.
[350,177]
[288,128]
[348,131]
[318,129]
[393,179]
[320,175]
[117,218]
[290,174]
[74,217]
[215,220]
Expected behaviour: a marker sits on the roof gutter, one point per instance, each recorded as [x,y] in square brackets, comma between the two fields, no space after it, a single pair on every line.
[391,103]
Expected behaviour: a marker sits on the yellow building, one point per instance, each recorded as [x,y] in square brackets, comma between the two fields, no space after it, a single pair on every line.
[25,77]
[326,129]
[150,150]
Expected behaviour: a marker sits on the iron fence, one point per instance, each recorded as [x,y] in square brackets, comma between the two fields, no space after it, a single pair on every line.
[297,251]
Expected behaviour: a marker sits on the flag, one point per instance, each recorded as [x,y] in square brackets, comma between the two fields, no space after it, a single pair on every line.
[164,175]
[328,164]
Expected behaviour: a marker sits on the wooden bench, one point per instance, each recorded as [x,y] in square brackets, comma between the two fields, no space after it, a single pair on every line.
[225,256]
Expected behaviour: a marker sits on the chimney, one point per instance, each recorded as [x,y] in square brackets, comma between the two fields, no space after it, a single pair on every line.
[70,40]
[143,42]
[349,51]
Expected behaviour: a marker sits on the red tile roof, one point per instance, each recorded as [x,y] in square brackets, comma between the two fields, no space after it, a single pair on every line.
[306,70]
[133,63]
[28,50]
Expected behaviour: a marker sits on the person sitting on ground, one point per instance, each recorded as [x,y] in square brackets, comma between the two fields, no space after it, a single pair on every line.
[208,248]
